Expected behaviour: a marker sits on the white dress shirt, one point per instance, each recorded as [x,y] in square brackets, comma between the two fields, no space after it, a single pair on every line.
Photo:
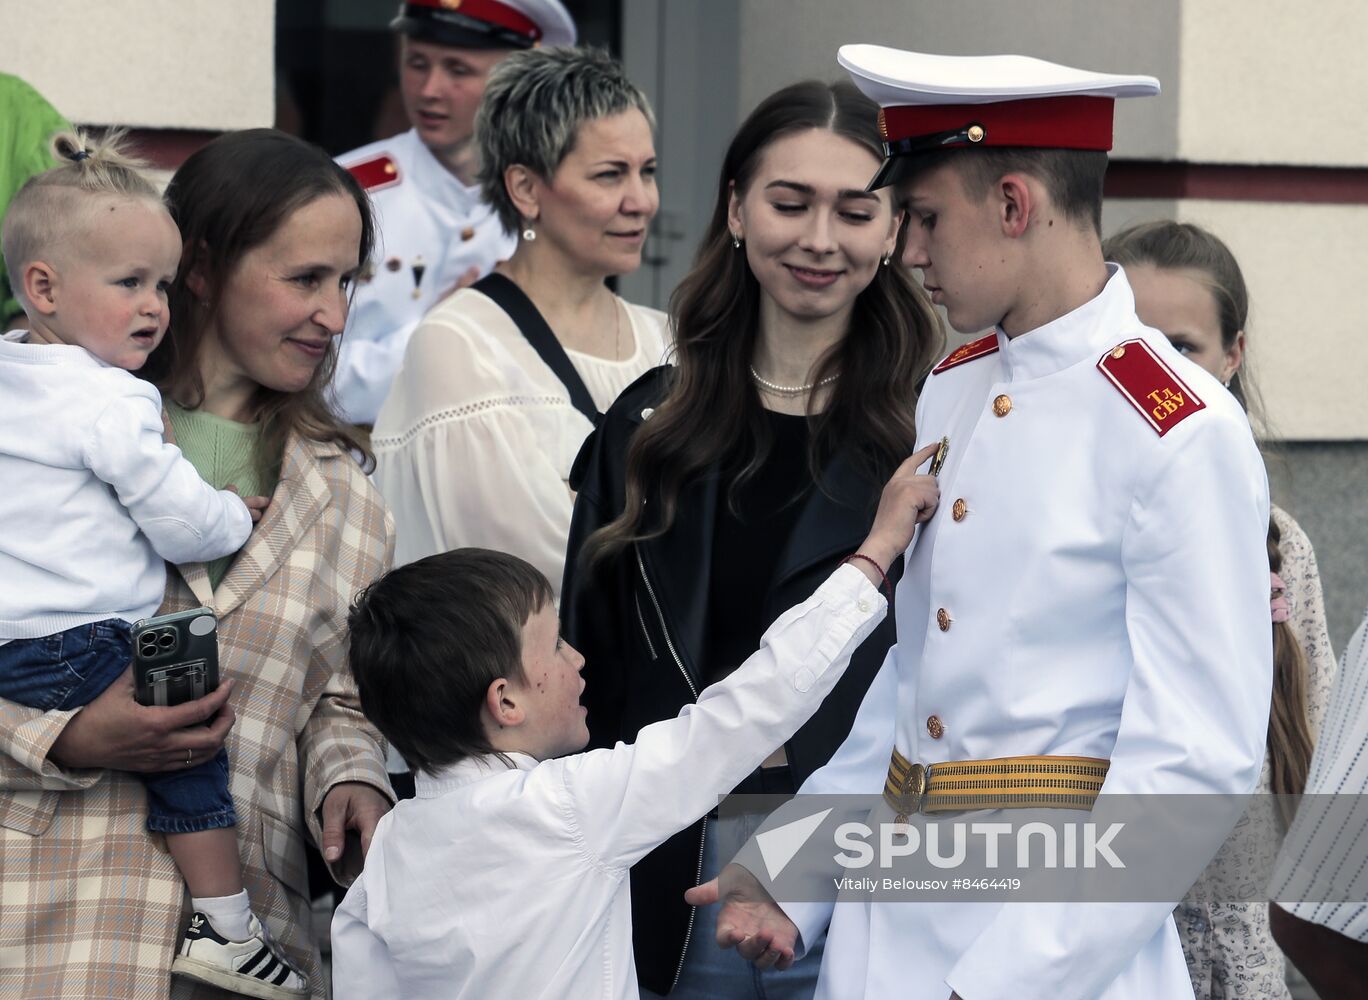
[1102,593]
[498,884]
[430,230]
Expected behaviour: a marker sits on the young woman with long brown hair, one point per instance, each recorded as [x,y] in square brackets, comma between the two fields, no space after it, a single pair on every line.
[1189,286]
[718,489]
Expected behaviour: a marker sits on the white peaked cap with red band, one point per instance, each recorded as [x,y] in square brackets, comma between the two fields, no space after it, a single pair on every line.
[929,102]
[514,24]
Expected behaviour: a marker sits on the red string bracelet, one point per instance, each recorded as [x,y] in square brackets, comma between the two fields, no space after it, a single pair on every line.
[886,587]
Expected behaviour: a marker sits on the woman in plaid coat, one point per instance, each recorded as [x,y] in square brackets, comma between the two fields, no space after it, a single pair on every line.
[90,902]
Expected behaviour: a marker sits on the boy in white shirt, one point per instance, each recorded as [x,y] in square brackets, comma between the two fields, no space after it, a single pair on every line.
[507,875]
[96,503]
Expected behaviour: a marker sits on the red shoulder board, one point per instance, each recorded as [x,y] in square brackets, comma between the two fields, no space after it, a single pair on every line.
[375,174]
[1150,385]
[971,351]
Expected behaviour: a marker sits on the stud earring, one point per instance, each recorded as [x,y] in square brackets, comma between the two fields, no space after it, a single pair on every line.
[888,258]
[736,242]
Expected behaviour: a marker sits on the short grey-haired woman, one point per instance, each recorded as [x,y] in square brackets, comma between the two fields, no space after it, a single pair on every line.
[474,443]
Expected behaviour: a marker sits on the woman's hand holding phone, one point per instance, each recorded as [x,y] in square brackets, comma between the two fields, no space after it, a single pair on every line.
[115,732]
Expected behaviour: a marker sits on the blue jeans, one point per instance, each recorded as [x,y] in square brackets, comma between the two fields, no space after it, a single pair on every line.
[71,669]
[713,974]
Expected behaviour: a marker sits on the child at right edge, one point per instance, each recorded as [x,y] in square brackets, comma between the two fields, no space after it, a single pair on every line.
[506,877]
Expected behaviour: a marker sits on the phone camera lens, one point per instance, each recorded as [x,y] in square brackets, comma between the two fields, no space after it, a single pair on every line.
[167,640]
[148,645]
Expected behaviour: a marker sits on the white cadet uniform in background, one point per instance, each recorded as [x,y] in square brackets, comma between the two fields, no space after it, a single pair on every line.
[431,229]
[498,884]
[1094,583]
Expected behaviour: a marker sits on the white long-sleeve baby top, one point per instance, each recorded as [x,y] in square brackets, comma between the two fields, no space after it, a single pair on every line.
[92,500]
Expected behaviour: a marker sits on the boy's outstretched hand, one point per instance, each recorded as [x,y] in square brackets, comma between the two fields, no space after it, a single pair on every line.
[907,500]
[750,920]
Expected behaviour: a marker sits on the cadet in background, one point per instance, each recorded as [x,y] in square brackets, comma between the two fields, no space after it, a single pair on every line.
[436,233]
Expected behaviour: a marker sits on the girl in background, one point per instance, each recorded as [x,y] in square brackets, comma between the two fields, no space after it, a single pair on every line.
[1188,285]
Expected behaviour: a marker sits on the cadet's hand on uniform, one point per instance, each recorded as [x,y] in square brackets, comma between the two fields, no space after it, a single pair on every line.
[750,920]
[907,500]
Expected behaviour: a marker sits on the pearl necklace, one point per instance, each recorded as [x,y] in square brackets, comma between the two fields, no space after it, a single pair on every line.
[788,390]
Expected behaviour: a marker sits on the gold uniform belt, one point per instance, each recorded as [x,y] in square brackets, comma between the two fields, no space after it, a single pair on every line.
[1002,783]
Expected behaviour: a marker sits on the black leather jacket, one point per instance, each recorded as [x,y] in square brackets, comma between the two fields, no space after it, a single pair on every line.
[640,621]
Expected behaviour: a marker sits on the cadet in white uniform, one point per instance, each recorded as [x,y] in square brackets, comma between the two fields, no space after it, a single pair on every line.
[435,231]
[1094,584]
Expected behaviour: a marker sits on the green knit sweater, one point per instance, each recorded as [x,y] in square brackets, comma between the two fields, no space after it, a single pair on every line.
[223,452]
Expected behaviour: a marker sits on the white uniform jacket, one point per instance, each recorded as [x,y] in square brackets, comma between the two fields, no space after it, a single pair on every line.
[431,229]
[498,884]
[1104,591]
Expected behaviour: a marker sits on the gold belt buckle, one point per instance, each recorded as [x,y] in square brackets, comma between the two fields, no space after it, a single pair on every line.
[906,787]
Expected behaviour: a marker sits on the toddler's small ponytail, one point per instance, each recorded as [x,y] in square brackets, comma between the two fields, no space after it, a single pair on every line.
[100,163]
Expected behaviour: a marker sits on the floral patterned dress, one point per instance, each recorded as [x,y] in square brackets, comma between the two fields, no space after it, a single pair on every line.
[1229,948]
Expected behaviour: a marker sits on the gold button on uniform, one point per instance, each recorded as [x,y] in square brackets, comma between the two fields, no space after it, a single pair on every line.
[934,727]
[1002,405]
[959,509]
[943,619]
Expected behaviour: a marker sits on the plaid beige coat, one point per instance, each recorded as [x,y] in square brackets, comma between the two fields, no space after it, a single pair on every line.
[90,902]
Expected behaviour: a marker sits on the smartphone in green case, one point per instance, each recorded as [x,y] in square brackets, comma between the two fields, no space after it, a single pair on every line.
[175,657]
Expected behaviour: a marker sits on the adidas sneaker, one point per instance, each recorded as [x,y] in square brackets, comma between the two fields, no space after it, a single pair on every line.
[256,967]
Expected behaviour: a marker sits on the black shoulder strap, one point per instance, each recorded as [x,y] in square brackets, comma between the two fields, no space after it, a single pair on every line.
[511,299]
